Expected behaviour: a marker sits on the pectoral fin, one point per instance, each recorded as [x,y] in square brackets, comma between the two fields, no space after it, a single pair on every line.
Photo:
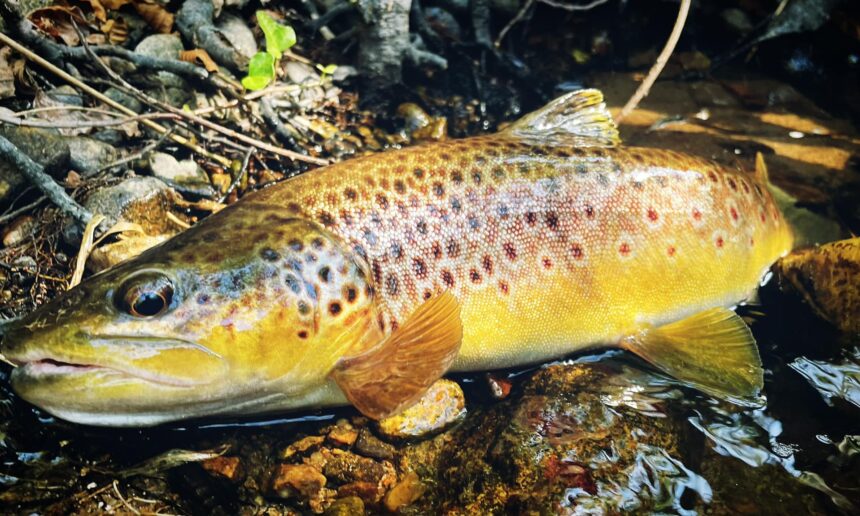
[713,351]
[395,374]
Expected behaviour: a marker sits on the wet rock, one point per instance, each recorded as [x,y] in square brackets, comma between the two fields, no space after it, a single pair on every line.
[834,381]
[45,147]
[343,434]
[827,278]
[225,467]
[88,156]
[298,479]
[441,406]
[164,46]
[144,201]
[593,438]
[301,73]
[185,172]
[238,34]
[420,125]
[18,230]
[302,445]
[124,98]
[404,493]
[369,445]
[345,467]
[348,506]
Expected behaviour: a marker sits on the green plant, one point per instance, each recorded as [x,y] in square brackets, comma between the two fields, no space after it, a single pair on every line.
[279,38]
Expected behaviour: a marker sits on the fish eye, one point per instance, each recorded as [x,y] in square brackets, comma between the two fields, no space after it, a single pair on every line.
[146,295]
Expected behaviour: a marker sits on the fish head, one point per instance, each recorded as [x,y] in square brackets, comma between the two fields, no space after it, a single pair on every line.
[212,322]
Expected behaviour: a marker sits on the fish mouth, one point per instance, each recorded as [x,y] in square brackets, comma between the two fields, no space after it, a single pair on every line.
[155,360]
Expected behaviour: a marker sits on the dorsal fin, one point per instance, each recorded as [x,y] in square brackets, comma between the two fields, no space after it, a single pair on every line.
[761,169]
[577,118]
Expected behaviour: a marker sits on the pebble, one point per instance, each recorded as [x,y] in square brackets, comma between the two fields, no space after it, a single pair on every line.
[441,406]
[343,434]
[226,467]
[18,230]
[348,506]
[369,445]
[405,492]
[291,479]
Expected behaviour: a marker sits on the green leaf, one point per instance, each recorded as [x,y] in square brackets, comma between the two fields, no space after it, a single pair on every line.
[328,69]
[261,71]
[279,38]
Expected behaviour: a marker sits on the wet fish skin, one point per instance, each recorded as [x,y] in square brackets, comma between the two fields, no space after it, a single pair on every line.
[365,279]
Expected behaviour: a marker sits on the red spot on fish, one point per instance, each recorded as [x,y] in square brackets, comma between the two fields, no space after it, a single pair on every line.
[303,334]
[762,217]
[746,186]
[671,251]
[589,211]
[547,263]
[712,176]
[652,215]
[752,242]
[510,251]
[720,242]
[734,213]
[437,250]
[577,252]
[624,249]
[503,286]
[697,215]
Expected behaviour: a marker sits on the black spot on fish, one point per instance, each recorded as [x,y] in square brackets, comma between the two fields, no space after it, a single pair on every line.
[392,285]
[418,173]
[269,254]
[453,248]
[448,278]
[295,245]
[350,293]
[303,308]
[552,220]
[396,251]
[420,268]
[202,299]
[293,283]
[334,308]
[303,334]
[422,227]
[325,274]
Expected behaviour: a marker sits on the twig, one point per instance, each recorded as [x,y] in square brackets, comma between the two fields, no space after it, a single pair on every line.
[107,100]
[122,498]
[204,122]
[662,59]
[176,220]
[574,7]
[23,209]
[515,20]
[76,124]
[139,154]
[84,251]
[35,173]
[239,175]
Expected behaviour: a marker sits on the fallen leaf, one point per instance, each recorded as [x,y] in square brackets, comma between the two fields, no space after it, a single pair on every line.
[55,21]
[199,56]
[114,5]
[155,16]
[116,30]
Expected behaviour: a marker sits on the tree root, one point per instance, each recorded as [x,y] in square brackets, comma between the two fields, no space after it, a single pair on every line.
[35,173]
[195,22]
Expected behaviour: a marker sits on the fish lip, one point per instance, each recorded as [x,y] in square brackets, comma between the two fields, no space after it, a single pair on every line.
[42,363]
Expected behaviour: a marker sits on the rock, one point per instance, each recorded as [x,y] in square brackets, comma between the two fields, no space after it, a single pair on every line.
[43,146]
[441,406]
[302,445]
[18,230]
[577,440]
[367,492]
[827,278]
[88,156]
[370,446]
[66,95]
[238,34]
[124,98]
[301,73]
[165,46]
[345,467]
[404,493]
[185,172]
[139,200]
[226,467]
[128,246]
[348,506]
[737,20]
[301,479]
[343,434]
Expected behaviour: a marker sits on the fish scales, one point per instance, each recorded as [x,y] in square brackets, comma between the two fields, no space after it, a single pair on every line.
[365,281]
[547,247]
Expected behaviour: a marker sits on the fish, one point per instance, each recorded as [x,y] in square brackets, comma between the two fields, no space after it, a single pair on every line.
[365,281]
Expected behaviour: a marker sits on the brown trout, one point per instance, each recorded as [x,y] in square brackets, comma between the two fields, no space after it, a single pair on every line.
[365,281]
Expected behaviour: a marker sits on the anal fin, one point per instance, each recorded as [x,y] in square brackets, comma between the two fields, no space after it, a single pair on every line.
[713,351]
[395,374]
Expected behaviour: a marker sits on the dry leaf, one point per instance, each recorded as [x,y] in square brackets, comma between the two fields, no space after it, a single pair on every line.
[116,30]
[114,5]
[55,21]
[199,56]
[97,8]
[155,16]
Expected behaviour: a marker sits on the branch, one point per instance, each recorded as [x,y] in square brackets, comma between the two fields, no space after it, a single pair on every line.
[36,174]
[662,59]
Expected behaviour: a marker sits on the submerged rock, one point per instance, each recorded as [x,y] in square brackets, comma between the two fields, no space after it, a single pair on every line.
[441,406]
